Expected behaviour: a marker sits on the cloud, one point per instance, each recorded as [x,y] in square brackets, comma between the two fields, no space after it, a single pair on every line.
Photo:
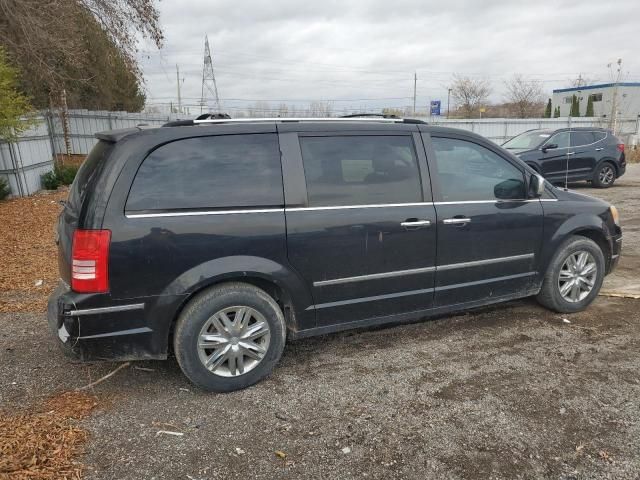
[353,51]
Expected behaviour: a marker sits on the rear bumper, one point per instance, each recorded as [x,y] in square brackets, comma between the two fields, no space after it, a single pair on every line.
[95,327]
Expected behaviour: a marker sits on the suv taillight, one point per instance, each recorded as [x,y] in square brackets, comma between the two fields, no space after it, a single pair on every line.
[621,147]
[90,261]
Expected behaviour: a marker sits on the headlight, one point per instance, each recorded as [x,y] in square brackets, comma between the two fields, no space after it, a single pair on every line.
[615,215]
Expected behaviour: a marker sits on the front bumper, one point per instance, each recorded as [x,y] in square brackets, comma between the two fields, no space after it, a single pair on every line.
[96,327]
[616,250]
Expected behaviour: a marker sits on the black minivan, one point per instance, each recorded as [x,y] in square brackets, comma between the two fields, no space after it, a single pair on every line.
[221,239]
[572,154]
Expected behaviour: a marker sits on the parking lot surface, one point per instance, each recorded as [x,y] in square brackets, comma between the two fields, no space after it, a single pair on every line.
[511,391]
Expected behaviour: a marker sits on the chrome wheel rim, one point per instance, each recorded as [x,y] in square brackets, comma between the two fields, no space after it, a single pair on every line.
[577,276]
[233,341]
[606,175]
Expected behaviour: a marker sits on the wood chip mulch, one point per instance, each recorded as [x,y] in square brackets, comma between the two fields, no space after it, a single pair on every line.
[43,444]
[27,251]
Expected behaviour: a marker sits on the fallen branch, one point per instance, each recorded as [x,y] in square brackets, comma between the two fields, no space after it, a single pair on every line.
[102,379]
[620,295]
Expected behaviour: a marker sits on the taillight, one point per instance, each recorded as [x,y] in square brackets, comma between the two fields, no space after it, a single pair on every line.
[621,147]
[90,261]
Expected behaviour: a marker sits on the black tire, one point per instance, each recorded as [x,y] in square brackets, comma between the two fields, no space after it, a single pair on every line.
[550,295]
[605,175]
[198,312]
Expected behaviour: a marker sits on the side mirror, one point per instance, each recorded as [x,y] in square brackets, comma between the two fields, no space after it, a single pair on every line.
[536,185]
[551,146]
[509,190]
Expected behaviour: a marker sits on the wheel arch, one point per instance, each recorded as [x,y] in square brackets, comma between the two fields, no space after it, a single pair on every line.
[279,281]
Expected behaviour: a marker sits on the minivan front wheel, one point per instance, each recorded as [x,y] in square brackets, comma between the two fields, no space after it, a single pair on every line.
[229,337]
[574,276]
[604,176]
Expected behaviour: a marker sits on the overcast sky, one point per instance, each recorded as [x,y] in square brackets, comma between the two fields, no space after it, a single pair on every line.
[364,53]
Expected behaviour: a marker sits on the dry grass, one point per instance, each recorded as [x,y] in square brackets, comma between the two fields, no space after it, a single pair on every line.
[27,251]
[633,155]
[43,444]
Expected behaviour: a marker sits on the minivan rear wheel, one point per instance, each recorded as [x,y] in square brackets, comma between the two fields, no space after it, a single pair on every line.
[229,337]
[574,276]
[604,176]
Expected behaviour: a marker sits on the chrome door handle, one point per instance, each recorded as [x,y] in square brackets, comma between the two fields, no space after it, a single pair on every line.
[416,223]
[599,149]
[456,221]
[570,153]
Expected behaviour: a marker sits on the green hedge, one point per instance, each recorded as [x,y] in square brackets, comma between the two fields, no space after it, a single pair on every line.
[61,175]
[5,190]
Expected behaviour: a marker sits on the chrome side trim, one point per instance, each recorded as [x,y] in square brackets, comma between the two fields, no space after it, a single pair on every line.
[482,282]
[488,261]
[348,207]
[369,299]
[204,212]
[373,276]
[400,273]
[96,311]
[464,202]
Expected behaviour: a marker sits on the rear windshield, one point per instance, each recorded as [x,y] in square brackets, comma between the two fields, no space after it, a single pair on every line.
[89,170]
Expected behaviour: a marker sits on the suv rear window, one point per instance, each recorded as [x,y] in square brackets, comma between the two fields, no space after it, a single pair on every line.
[210,172]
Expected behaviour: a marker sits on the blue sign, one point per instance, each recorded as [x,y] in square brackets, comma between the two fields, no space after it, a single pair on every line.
[435,107]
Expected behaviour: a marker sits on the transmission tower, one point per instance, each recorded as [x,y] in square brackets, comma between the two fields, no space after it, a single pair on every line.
[209,87]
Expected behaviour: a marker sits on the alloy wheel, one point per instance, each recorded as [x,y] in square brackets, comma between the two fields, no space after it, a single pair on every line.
[606,175]
[577,276]
[233,341]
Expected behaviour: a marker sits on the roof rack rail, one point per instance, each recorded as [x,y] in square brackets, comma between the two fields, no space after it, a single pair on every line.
[367,115]
[208,121]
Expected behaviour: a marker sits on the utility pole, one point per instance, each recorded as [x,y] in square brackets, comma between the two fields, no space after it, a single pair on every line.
[614,102]
[415,84]
[448,101]
[179,97]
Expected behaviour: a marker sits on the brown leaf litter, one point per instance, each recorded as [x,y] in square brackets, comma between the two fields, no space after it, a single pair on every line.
[27,250]
[43,444]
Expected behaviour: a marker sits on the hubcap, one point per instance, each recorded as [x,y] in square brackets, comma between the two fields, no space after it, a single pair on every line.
[233,341]
[577,276]
[606,175]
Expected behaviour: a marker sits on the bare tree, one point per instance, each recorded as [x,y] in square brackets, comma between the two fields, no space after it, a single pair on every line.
[526,96]
[44,35]
[470,94]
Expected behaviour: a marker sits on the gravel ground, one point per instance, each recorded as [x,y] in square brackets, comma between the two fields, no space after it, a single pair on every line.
[511,391]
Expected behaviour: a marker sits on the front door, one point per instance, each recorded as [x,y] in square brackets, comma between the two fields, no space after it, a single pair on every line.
[555,161]
[489,233]
[365,242]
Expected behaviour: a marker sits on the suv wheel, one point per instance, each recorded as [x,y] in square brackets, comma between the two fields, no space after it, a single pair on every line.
[604,175]
[574,276]
[229,337]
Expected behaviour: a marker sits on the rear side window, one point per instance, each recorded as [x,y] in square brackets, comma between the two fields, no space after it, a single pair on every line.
[210,172]
[360,170]
[581,138]
[597,136]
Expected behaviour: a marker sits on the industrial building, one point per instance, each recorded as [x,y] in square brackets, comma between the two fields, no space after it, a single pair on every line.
[626,96]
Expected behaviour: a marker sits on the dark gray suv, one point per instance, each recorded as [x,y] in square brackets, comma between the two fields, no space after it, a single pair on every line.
[572,154]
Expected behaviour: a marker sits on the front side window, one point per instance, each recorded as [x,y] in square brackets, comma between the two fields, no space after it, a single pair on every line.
[581,138]
[467,171]
[360,170]
[223,171]
[561,140]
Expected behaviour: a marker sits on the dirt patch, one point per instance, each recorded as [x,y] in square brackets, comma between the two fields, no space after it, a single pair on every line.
[29,266]
[44,444]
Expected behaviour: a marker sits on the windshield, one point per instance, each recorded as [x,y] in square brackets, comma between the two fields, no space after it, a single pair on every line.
[527,140]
